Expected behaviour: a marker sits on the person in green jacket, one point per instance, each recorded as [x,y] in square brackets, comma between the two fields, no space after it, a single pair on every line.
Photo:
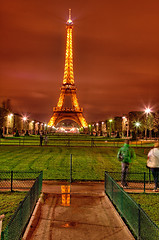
[125,155]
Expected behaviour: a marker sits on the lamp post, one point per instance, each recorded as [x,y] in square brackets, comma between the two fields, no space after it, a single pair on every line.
[97,128]
[110,130]
[24,123]
[90,129]
[9,121]
[137,125]
[125,126]
[103,129]
[147,112]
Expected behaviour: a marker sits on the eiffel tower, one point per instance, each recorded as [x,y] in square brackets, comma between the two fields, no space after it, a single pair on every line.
[68,106]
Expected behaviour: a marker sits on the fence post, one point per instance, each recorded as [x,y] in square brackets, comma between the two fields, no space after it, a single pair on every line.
[144,181]
[11,181]
[139,221]
[105,183]
[112,189]
[70,168]
[149,176]
[92,142]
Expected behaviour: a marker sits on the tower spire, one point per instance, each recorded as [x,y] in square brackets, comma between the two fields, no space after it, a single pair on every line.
[68,69]
[70,14]
[69,22]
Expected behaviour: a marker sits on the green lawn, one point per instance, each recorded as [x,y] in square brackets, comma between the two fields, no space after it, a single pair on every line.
[88,163]
[149,203]
[9,201]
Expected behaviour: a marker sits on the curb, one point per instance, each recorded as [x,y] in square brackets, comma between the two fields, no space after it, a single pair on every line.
[34,219]
[123,224]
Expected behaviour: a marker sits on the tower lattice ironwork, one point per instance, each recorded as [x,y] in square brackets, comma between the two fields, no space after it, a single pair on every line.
[68,106]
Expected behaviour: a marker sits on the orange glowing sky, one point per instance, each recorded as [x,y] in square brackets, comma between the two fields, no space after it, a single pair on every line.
[115,47]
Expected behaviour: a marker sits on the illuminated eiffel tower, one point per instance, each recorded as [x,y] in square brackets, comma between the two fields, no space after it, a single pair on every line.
[68,106]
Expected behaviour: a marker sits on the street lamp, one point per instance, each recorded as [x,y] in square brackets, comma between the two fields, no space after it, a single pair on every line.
[9,121]
[24,123]
[103,128]
[110,122]
[125,126]
[137,125]
[90,129]
[147,112]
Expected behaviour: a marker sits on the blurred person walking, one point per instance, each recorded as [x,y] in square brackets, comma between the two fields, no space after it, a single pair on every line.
[125,155]
[153,163]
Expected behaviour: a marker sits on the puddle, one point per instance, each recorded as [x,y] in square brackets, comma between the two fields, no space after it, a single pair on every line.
[65,195]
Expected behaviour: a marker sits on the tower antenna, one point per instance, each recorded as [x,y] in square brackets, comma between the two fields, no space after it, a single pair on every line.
[70,14]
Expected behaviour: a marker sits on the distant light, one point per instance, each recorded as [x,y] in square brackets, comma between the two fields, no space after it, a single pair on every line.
[102,122]
[97,124]
[10,115]
[110,120]
[147,110]
[32,121]
[24,118]
[123,117]
[137,124]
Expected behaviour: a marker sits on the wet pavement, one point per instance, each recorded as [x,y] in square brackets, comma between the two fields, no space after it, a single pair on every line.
[81,211]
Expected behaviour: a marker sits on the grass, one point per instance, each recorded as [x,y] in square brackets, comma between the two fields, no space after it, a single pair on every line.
[149,203]
[88,163]
[9,201]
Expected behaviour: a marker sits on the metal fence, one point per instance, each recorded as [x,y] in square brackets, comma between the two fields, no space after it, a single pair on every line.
[15,180]
[137,219]
[19,220]
[71,141]
[136,180]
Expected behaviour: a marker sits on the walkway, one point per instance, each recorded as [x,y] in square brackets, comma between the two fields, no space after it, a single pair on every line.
[84,214]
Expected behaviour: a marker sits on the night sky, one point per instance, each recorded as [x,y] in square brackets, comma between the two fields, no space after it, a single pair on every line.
[115,47]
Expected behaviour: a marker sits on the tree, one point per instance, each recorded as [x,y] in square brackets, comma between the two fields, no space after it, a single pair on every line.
[3,114]
[6,104]
[156,123]
[149,123]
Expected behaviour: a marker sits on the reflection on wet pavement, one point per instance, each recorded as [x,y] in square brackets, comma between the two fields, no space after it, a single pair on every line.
[65,190]
[67,225]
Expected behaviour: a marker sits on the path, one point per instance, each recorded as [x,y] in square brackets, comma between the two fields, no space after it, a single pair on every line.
[88,216]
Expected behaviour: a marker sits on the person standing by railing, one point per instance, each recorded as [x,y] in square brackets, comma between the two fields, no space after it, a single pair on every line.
[153,164]
[125,155]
